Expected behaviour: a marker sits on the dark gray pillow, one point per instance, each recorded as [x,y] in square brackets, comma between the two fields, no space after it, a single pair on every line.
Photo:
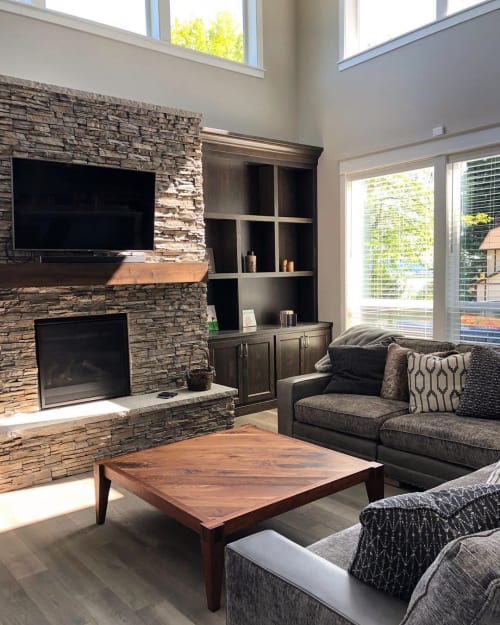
[481,395]
[461,586]
[401,536]
[356,369]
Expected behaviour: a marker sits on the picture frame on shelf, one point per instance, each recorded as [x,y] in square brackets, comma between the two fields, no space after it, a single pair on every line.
[212,323]
[248,317]
[209,258]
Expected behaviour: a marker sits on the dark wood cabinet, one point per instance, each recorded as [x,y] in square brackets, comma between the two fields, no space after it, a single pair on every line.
[252,364]
[260,195]
[245,363]
[297,352]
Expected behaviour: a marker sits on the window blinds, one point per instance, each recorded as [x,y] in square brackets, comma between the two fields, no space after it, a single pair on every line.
[474,266]
[390,260]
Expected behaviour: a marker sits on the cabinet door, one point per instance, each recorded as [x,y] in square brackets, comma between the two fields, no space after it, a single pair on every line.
[289,354]
[227,358]
[258,378]
[316,346]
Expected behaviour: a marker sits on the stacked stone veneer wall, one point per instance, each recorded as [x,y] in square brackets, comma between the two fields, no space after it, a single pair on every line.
[65,125]
[165,321]
[36,456]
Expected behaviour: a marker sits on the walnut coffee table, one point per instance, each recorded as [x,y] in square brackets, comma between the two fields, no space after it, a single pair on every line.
[219,483]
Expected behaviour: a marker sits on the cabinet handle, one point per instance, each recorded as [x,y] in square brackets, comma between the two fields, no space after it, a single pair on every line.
[306,341]
[242,350]
[246,349]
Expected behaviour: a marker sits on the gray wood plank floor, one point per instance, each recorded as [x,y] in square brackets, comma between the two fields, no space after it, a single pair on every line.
[139,568]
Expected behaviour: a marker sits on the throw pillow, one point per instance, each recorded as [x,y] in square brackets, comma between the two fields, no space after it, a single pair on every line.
[481,396]
[395,382]
[494,477]
[461,586]
[356,370]
[402,535]
[435,383]
[360,334]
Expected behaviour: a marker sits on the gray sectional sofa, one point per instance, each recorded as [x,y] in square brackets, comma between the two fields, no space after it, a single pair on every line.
[422,449]
[273,581]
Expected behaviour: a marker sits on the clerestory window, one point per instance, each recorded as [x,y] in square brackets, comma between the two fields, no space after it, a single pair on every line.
[372,27]
[222,28]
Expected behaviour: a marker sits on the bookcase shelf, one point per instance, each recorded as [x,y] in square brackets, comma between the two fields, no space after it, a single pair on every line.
[260,196]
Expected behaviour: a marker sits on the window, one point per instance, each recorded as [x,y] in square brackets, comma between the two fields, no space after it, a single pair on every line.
[390,258]
[222,28]
[475,250]
[369,24]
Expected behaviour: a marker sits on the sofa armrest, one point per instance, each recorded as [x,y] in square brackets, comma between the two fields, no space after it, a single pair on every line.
[292,389]
[270,579]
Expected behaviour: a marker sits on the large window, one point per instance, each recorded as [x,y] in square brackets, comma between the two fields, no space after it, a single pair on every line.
[368,24]
[221,28]
[416,267]
[474,276]
[390,266]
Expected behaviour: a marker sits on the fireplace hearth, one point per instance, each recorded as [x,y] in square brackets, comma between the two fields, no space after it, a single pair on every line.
[82,359]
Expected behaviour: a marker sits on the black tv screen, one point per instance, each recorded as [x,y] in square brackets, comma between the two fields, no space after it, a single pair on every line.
[70,207]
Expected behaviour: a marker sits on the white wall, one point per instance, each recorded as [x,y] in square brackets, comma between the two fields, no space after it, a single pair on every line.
[49,53]
[451,78]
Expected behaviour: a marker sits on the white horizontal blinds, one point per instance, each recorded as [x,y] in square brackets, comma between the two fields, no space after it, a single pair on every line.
[390,263]
[475,258]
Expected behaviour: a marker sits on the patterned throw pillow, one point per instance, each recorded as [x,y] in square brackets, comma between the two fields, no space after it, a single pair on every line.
[481,396]
[435,383]
[402,535]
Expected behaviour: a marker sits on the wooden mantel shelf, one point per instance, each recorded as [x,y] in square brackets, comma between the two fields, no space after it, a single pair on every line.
[90,274]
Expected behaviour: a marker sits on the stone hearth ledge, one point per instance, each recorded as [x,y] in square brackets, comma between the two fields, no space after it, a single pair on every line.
[39,447]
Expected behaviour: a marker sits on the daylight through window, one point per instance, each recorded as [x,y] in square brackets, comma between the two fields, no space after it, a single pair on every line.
[221,28]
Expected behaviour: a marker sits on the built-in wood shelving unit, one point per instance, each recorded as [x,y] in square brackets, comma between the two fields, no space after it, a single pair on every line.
[90,274]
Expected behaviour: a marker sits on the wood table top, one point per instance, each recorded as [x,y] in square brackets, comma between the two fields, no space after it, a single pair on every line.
[225,476]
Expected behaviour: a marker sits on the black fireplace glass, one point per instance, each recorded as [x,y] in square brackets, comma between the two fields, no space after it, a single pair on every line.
[82,359]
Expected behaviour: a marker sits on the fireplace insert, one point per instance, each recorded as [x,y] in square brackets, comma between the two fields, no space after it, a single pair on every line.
[82,359]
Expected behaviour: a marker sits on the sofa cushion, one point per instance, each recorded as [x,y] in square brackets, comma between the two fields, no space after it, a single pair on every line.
[481,395]
[425,346]
[435,383]
[462,585]
[402,535]
[338,548]
[356,369]
[360,415]
[446,436]
[360,334]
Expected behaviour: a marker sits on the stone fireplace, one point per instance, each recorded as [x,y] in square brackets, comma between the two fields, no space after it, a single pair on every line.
[164,320]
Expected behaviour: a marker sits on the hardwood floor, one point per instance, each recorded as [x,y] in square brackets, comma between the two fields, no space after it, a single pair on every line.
[58,568]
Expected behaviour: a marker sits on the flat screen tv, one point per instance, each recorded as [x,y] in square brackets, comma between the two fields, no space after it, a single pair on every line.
[70,207]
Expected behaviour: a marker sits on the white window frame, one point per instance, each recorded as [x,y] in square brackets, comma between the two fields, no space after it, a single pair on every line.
[442,154]
[348,11]
[158,28]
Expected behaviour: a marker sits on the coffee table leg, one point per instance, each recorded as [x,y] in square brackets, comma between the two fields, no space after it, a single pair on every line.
[102,486]
[375,484]
[212,551]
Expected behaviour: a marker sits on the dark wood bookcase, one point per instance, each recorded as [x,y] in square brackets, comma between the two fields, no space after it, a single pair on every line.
[259,195]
